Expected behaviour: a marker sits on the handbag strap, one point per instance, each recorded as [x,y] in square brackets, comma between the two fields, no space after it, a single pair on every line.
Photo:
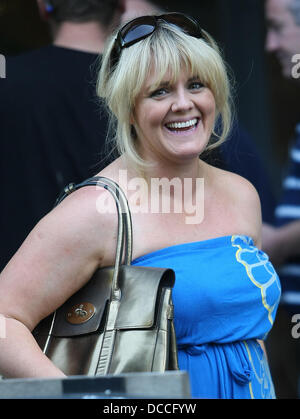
[124,222]
[126,216]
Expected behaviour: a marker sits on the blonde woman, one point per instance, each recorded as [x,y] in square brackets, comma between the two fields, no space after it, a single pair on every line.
[166,85]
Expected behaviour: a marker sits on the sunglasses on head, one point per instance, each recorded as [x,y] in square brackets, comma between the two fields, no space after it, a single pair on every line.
[143,26]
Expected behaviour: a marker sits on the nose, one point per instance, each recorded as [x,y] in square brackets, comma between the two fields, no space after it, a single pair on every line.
[182,101]
[271,44]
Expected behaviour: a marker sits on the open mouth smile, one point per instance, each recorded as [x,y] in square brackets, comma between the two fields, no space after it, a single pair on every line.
[182,126]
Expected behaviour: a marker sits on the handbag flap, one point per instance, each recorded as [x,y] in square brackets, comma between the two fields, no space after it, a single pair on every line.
[140,288]
[83,312]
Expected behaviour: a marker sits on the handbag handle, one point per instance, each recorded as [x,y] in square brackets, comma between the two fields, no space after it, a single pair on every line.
[124,223]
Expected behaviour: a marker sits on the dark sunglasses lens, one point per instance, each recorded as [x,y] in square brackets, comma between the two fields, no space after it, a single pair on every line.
[186,23]
[143,26]
[137,32]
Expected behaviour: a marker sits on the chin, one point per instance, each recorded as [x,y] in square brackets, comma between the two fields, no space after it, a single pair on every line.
[192,152]
[287,69]
[188,154]
[287,73]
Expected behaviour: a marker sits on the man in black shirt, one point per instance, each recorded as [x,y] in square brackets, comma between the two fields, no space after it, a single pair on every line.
[52,129]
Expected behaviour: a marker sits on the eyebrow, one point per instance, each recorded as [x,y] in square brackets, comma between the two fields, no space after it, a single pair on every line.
[154,86]
[166,83]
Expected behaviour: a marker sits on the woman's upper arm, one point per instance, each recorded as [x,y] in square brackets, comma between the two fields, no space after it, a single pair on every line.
[253,212]
[56,259]
[249,208]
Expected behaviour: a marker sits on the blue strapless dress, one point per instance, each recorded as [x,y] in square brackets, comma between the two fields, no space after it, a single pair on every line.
[225,296]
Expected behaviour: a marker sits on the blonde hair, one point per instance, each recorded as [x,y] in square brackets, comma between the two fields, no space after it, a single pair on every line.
[168,48]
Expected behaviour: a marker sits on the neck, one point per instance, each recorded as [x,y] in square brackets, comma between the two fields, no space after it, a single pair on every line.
[177,189]
[170,170]
[88,36]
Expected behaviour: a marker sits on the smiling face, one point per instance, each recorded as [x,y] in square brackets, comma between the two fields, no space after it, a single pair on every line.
[172,88]
[174,120]
[283,36]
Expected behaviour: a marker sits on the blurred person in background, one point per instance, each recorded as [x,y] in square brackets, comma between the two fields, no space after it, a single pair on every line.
[282,241]
[135,8]
[52,127]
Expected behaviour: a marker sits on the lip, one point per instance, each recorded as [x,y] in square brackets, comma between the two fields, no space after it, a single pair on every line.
[184,120]
[185,132]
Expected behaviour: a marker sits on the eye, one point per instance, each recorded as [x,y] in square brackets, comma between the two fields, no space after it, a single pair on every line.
[159,92]
[276,26]
[196,85]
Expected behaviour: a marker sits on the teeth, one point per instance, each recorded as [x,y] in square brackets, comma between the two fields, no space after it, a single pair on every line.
[183,124]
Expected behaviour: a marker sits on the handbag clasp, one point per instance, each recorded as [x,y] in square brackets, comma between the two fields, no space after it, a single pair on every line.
[80,313]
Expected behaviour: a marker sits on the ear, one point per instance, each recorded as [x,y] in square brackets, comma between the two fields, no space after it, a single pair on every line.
[132,118]
[122,6]
[44,14]
[41,8]
[133,125]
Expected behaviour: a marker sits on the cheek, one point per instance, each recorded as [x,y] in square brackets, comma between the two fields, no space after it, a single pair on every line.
[290,41]
[211,106]
[145,122]
[293,46]
[149,118]
[211,113]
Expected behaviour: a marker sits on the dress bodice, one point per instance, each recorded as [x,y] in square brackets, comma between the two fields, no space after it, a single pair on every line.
[226,292]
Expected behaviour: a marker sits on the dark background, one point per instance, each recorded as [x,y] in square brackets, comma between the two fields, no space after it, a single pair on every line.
[266,103]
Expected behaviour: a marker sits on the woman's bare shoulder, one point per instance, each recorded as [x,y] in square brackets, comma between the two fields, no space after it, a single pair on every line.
[58,257]
[243,198]
[235,184]
[89,212]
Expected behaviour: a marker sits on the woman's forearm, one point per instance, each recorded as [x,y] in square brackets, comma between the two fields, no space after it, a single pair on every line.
[20,355]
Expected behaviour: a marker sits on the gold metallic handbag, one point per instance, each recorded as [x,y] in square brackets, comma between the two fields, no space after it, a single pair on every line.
[121,320]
